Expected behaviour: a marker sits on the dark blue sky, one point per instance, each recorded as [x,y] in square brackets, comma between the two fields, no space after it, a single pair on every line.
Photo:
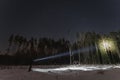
[48,18]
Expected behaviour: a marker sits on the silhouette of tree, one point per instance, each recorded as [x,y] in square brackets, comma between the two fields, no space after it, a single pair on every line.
[27,49]
[11,38]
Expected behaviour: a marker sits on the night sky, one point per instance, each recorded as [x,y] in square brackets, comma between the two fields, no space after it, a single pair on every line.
[58,18]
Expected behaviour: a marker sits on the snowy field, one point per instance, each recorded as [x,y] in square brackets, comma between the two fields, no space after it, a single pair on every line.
[83,72]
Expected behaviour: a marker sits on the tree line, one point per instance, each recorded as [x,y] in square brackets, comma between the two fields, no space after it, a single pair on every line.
[22,50]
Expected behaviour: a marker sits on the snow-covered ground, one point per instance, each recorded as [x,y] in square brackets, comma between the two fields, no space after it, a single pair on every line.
[76,68]
[63,73]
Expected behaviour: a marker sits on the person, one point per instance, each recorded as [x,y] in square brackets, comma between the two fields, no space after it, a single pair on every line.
[30,66]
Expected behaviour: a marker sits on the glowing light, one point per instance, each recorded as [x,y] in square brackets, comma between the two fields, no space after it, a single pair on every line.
[107,44]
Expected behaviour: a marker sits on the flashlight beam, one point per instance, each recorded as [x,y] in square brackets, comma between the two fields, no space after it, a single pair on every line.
[65,54]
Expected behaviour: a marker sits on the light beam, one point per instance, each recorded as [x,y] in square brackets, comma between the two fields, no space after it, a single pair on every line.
[64,54]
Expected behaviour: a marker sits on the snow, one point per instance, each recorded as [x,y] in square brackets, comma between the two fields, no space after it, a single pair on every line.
[77,67]
[83,72]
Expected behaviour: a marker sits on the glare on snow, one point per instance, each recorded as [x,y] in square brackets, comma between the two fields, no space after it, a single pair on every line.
[77,67]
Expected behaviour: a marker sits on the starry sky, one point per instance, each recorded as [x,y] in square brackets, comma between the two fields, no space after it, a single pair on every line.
[57,18]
